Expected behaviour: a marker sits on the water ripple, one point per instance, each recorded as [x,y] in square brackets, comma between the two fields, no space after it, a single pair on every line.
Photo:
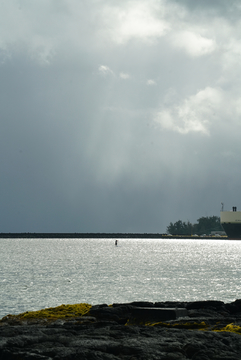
[39,273]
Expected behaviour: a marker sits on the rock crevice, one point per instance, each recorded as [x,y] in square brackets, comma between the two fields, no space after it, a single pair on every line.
[201,330]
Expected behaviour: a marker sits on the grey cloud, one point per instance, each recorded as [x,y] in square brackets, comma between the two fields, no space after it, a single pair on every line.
[217,5]
[80,149]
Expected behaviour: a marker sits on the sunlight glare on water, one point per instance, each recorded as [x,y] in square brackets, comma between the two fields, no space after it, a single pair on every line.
[40,273]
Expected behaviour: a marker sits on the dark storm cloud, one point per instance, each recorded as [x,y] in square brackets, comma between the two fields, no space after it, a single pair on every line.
[117,117]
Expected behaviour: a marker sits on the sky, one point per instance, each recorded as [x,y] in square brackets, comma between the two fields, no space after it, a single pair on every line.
[118,116]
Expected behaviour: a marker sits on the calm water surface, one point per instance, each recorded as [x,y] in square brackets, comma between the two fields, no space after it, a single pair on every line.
[39,273]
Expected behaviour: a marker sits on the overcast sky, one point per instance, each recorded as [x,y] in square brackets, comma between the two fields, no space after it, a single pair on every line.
[118,116]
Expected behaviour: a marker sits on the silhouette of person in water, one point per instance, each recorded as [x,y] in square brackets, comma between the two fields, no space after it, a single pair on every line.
[116,242]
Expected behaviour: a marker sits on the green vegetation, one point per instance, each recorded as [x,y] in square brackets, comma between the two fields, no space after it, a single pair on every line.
[76,311]
[204,225]
[181,325]
[51,314]
[202,326]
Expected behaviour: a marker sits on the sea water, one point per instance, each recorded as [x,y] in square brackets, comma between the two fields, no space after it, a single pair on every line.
[40,273]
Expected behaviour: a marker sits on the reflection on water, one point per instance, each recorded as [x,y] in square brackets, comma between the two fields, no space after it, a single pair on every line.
[39,273]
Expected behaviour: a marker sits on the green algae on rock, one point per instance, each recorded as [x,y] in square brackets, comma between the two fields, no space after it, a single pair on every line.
[181,325]
[53,313]
[82,331]
[229,328]
[121,313]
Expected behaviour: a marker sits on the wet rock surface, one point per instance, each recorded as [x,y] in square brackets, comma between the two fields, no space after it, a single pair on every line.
[113,333]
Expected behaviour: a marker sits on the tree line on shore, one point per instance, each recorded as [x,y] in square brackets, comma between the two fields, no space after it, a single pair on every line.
[204,225]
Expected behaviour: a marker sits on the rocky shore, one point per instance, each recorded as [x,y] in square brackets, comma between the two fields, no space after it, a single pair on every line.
[200,330]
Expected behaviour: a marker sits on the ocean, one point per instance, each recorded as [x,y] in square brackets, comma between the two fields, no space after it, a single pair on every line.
[40,273]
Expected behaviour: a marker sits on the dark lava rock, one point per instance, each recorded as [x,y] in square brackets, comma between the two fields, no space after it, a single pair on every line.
[102,336]
[119,314]
[205,304]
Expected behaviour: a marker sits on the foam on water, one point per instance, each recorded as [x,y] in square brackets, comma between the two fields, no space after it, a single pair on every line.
[40,273]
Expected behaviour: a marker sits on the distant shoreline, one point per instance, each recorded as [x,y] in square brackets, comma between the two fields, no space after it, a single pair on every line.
[103,236]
